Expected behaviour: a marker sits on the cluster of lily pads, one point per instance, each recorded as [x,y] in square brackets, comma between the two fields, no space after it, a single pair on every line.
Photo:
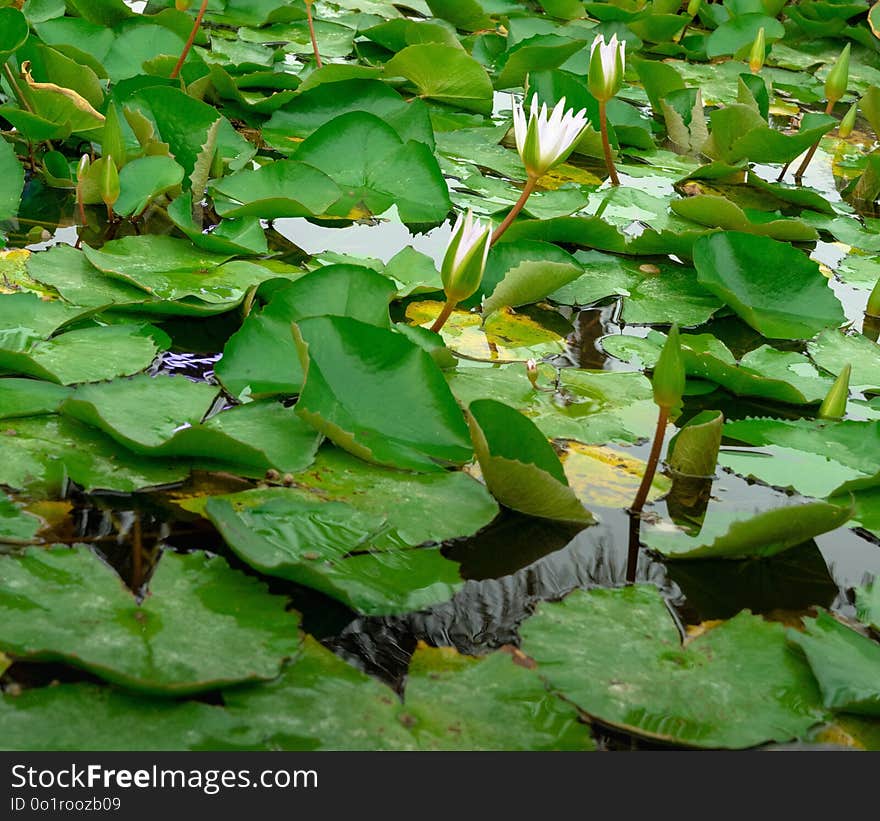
[634,165]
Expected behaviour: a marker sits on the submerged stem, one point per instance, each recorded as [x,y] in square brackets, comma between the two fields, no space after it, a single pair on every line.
[312,33]
[192,38]
[448,308]
[653,459]
[514,212]
[606,145]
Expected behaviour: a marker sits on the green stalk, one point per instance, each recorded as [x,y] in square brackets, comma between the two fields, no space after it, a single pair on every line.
[653,460]
[189,43]
[514,212]
[606,145]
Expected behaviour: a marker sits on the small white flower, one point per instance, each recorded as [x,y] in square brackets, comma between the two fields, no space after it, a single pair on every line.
[543,141]
[466,256]
[607,62]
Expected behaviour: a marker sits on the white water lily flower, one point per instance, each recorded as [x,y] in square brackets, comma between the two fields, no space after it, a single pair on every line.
[545,141]
[466,256]
[607,62]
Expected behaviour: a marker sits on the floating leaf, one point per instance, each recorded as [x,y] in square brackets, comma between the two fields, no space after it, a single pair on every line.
[351,368]
[11,174]
[29,397]
[693,451]
[868,604]
[772,286]
[52,598]
[846,664]
[519,465]
[618,655]
[832,350]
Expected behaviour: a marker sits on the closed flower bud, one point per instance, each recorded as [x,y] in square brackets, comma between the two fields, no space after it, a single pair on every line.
[465,258]
[83,167]
[693,8]
[607,61]
[834,405]
[109,181]
[669,376]
[758,52]
[848,123]
[545,141]
[838,78]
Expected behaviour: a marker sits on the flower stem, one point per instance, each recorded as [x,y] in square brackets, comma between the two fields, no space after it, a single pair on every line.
[312,33]
[189,43]
[653,459]
[448,308]
[799,174]
[606,145]
[514,212]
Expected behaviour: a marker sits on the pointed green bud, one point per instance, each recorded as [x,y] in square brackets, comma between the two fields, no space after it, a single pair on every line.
[112,143]
[848,123]
[834,405]
[873,308]
[693,8]
[758,52]
[109,181]
[838,78]
[669,375]
[465,258]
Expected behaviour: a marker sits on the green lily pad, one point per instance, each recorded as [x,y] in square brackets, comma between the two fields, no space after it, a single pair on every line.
[816,458]
[88,354]
[81,717]
[162,416]
[456,702]
[29,397]
[529,282]
[16,525]
[593,407]
[261,358]
[693,451]
[376,169]
[25,318]
[772,286]
[618,656]
[41,453]
[51,598]
[519,465]
[12,174]
[729,532]
[321,703]
[143,180]
[846,664]
[229,236]
[832,350]
[351,368]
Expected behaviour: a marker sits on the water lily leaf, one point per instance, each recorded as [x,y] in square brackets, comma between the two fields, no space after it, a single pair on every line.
[543,51]
[397,34]
[771,285]
[673,294]
[607,477]
[143,180]
[321,545]
[280,189]
[261,358]
[11,174]
[727,532]
[467,15]
[137,45]
[530,282]
[450,698]
[832,350]
[41,453]
[693,451]
[618,655]
[846,664]
[506,336]
[718,212]
[351,368]
[175,270]
[25,318]
[229,236]
[868,604]
[73,717]
[162,416]
[592,407]
[17,526]
[605,275]
[321,703]
[313,108]
[519,465]
[740,31]
[376,169]
[50,599]
[88,354]
[29,397]
[816,458]
[783,376]
[463,82]
[14,28]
